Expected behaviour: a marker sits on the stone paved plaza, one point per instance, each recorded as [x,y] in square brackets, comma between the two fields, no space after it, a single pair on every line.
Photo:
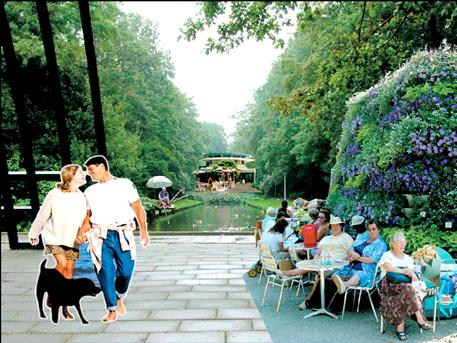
[185,289]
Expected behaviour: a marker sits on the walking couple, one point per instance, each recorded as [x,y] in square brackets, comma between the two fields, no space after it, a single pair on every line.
[103,217]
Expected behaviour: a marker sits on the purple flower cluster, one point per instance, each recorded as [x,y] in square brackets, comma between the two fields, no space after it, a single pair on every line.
[429,102]
[382,182]
[438,76]
[417,178]
[350,193]
[356,123]
[352,149]
[348,170]
[431,142]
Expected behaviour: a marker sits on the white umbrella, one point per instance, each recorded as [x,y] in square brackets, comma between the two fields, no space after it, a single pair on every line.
[158,182]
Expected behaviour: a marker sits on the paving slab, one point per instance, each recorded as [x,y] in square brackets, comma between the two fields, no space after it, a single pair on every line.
[187,337]
[195,293]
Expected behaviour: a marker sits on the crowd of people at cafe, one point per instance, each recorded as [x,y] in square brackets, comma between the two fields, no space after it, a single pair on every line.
[364,251]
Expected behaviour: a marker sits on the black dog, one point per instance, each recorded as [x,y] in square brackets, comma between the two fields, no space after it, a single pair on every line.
[62,292]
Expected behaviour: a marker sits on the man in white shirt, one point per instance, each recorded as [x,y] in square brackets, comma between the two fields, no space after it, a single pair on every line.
[113,203]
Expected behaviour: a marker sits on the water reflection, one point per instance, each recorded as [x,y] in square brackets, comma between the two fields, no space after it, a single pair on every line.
[210,218]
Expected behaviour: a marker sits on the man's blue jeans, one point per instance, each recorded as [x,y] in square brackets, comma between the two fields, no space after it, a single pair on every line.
[114,281]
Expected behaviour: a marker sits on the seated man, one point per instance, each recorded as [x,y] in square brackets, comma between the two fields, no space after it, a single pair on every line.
[164,198]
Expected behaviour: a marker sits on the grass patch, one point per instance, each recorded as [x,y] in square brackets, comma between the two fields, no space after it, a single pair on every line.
[184,203]
[264,203]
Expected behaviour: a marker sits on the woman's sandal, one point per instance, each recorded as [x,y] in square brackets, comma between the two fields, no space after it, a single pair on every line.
[425,326]
[402,336]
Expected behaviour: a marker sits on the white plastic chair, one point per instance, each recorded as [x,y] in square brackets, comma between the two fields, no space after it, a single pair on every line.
[276,278]
[370,289]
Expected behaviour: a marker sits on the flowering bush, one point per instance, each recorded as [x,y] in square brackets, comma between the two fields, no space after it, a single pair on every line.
[398,137]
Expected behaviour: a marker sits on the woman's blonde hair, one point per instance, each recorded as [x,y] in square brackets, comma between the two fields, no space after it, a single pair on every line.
[66,175]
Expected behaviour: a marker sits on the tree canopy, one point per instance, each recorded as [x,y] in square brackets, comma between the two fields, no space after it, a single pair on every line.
[151,126]
[339,48]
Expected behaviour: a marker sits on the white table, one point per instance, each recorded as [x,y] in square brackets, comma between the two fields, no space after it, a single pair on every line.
[314,265]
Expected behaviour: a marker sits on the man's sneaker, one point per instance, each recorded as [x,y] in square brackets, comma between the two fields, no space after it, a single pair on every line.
[341,287]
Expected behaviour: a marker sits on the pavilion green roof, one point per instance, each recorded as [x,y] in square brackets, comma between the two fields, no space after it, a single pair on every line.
[225,154]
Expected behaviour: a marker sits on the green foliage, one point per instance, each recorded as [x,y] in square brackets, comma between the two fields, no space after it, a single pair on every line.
[418,236]
[151,127]
[224,164]
[295,122]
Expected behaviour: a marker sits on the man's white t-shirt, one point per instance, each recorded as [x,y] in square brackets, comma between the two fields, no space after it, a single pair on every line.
[110,201]
[338,246]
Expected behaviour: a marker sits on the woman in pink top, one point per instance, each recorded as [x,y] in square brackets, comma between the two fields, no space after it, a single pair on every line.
[59,220]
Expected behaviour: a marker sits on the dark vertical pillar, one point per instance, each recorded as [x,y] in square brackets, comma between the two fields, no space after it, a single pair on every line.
[5,191]
[24,131]
[93,76]
[49,50]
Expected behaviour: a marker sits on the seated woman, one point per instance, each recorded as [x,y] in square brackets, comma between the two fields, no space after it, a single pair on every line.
[323,227]
[363,259]
[399,301]
[339,244]
[274,237]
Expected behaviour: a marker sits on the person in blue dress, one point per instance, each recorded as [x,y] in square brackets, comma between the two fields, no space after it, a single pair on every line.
[363,258]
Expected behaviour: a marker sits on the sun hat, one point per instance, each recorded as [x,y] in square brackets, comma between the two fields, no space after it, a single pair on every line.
[357,220]
[336,220]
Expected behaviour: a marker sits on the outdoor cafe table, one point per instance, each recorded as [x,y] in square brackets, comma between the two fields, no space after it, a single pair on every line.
[314,265]
[300,247]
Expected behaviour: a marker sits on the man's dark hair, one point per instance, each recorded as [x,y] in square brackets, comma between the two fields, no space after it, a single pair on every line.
[373,221]
[284,203]
[280,215]
[314,213]
[320,203]
[98,159]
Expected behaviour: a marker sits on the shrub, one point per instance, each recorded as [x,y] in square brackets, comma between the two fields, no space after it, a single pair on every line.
[399,137]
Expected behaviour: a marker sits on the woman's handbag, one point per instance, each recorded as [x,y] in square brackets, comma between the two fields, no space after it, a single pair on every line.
[395,278]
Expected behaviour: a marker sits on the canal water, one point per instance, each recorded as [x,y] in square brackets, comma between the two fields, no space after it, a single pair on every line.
[202,218]
[210,218]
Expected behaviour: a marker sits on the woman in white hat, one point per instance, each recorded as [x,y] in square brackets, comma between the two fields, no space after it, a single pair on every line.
[338,244]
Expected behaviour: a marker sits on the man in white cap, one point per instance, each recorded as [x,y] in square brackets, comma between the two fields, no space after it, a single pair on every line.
[164,198]
[358,224]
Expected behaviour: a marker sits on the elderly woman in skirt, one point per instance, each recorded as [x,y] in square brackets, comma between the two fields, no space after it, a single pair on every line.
[399,301]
